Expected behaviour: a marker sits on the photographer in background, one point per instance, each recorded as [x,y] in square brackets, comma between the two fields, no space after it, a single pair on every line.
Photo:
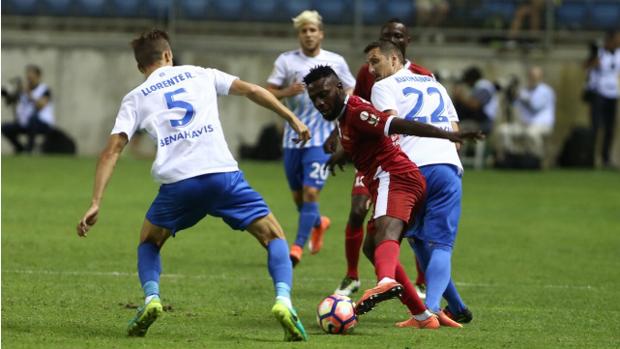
[34,110]
[478,108]
[523,137]
[603,68]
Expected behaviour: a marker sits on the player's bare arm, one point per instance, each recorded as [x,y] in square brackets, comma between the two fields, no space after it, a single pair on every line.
[105,167]
[331,143]
[264,98]
[338,158]
[414,128]
[289,91]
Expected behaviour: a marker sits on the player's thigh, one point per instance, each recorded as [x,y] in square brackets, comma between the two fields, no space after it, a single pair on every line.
[239,204]
[181,205]
[293,168]
[397,195]
[315,172]
[442,210]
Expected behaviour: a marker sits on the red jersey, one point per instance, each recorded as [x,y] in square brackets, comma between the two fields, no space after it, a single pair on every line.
[365,80]
[363,137]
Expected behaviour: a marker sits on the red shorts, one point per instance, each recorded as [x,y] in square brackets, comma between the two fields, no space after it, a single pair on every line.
[397,195]
[358,185]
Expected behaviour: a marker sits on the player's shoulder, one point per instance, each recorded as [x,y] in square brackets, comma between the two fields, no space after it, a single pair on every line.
[418,69]
[289,55]
[358,104]
[332,56]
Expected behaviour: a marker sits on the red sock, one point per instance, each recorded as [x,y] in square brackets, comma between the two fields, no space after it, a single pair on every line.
[386,259]
[410,296]
[352,244]
[420,279]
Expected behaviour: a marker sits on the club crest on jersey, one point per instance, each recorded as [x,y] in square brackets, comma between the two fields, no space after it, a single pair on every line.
[369,118]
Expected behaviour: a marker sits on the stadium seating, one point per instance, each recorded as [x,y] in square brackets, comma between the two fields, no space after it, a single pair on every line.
[194,9]
[57,7]
[605,14]
[293,7]
[20,7]
[230,10]
[499,9]
[158,8]
[91,8]
[127,8]
[495,14]
[335,11]
[265,11]
[572,14]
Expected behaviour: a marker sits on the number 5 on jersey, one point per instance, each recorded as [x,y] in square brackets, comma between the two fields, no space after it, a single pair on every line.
[189,109]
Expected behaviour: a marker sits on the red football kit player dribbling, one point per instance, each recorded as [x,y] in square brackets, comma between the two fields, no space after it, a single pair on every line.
[363,86]
[394,182]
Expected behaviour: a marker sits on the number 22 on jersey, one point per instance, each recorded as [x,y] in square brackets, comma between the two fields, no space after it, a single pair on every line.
[434,95]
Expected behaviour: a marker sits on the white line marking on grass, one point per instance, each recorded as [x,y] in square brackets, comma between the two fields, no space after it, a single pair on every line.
[238,277]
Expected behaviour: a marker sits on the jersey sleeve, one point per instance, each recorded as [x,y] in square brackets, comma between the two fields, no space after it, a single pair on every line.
[127,117]
[362,85]
[278,74]
[382,98]
[371,122]
[222,82]
[348,81]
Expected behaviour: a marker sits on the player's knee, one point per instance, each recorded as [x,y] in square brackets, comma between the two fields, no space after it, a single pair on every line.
[357,215]
[266,229]
[310,194]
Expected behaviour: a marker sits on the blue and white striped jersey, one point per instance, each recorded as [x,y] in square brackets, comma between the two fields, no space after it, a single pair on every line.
[291,67]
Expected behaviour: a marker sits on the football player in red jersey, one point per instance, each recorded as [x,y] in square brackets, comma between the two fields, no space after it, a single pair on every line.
[395,183]
[393,30]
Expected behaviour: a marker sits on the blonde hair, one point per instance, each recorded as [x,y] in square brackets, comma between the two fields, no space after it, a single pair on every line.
[308,17]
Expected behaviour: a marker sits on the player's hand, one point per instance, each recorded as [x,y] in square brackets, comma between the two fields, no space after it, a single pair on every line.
[459,137]
[337,159]
[331,143]
[89,219]
[303,133]
[295,89]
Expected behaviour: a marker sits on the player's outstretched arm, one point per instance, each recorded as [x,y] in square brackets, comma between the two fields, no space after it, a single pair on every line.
[262,97]
[105,167]
[414,128]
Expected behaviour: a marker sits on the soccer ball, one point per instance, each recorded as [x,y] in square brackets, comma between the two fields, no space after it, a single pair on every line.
[336,315]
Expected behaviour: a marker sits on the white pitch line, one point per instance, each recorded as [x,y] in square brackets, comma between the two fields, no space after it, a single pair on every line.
[237,277]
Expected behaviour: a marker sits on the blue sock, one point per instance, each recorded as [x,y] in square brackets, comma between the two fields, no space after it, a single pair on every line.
[307,218]
[437,277]
[149,268]
[455,303]
[280,267]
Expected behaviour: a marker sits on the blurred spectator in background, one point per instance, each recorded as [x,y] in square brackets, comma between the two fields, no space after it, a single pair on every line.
[603,67]
[535,105]
[431,13]
[530,10]
[477,109]
[34,110]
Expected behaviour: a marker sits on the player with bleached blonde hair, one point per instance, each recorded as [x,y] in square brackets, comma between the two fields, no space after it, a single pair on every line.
[304,165]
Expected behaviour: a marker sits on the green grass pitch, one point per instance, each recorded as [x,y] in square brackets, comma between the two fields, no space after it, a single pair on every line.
[537,260]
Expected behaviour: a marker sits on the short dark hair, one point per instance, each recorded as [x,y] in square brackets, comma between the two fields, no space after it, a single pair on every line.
[386,47]
[393,20]
[472,74]
[35,68]
[149,46]
[318,72]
